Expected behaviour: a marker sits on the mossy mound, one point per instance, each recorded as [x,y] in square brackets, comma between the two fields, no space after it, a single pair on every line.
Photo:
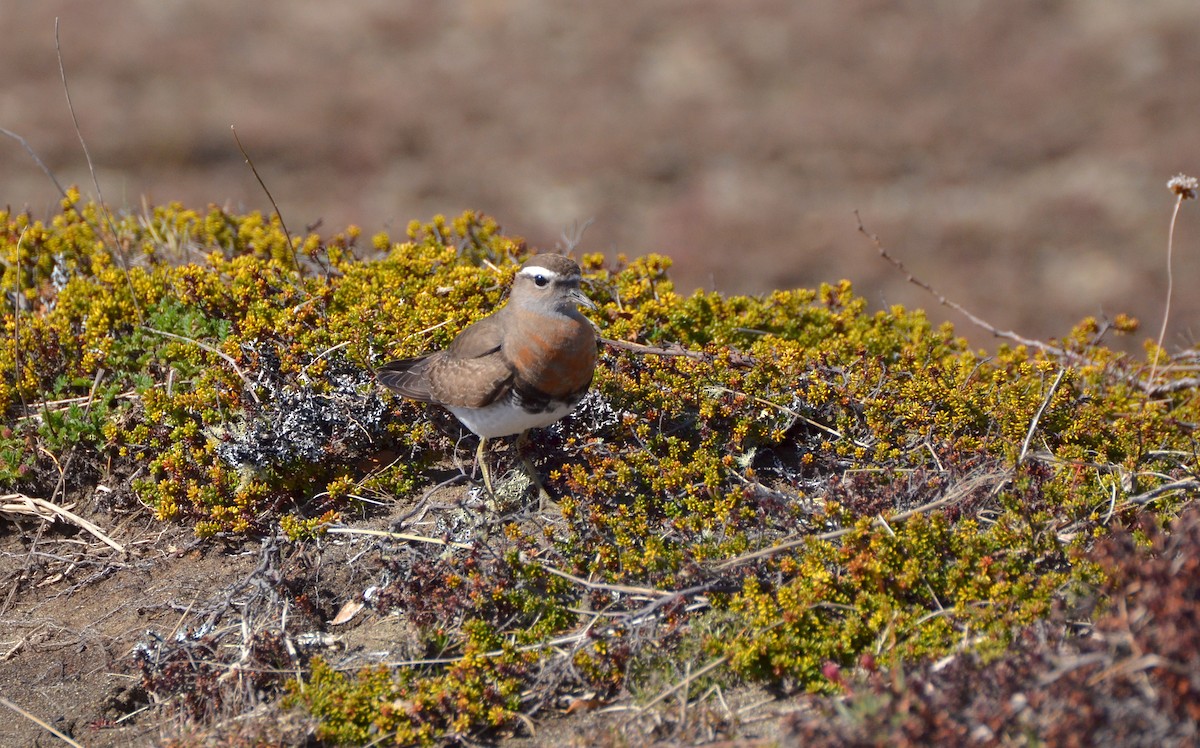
[772,490]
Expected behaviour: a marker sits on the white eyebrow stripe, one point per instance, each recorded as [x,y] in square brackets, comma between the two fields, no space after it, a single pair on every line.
[535,270]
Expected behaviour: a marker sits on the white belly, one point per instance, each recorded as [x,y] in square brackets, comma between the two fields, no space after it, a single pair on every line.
[505,419]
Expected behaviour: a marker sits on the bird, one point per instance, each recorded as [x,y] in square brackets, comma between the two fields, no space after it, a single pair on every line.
[525,366]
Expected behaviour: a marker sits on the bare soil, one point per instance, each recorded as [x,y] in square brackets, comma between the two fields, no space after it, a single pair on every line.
[87,629]
[74,614]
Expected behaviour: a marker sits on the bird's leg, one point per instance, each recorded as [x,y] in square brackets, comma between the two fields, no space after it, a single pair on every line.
[531,471]
[483,468]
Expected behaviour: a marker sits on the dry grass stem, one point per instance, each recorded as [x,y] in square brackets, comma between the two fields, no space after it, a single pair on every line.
[16,505]
[398,536]
[1184,188]
[1038,416]
[215,351]
[40,723]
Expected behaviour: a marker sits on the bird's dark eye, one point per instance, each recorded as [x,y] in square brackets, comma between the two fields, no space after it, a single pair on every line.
[541,281]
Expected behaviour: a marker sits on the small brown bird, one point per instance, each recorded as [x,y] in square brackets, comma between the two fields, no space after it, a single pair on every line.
[525,366]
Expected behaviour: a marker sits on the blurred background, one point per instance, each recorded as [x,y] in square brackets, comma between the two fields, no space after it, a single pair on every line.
[1014,154]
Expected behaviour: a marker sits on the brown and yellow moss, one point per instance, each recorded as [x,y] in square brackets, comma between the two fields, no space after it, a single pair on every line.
[479,689]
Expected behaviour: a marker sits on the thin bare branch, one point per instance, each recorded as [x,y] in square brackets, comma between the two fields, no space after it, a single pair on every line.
[1154,493]
[941,299]
[274,206]
[36,159]
[960,491]
[619,588]
[673,350]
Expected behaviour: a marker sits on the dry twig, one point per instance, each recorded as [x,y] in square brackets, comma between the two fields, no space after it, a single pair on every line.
[941,299]
[674,349]
[619,588]
[1154,493]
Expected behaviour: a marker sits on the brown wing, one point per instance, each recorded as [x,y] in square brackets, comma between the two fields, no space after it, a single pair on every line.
[474,372]
[471,373]
[470,382]
[478,340]
[408,377]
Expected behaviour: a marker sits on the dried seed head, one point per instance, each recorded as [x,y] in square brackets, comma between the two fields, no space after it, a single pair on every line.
[1184,186]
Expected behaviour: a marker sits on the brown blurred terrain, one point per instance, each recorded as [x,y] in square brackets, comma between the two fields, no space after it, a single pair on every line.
[1013,154]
